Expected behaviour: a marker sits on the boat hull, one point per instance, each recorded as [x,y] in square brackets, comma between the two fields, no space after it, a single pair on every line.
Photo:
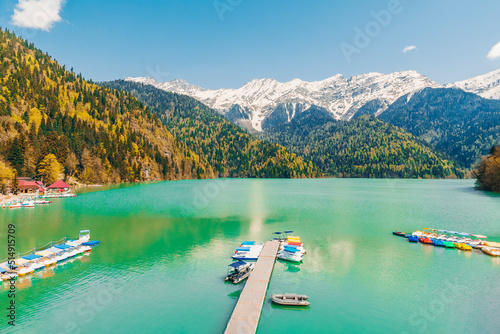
[290,300]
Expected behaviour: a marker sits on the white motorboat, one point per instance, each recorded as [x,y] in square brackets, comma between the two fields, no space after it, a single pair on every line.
[28,204]
[290,256]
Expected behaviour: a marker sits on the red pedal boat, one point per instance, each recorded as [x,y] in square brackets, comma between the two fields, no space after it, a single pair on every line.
[425,240]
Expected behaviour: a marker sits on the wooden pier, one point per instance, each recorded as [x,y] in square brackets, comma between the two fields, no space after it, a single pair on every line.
[246,314]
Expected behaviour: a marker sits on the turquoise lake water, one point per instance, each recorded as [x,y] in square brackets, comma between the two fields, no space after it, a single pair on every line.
[165,248]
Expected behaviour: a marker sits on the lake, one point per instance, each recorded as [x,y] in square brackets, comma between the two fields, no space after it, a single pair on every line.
[165,248]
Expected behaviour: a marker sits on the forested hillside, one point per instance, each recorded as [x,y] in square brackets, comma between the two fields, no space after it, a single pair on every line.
[96,134]
[462,125]
[230,150]
[363,147]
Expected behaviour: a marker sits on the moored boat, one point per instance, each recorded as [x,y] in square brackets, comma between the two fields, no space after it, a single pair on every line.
[42,201]
[398,233]
[290,299]
[412,238]
[463,246]
[290,254]
[449,244]
[239,271]
[491,251]
[425,240]
[28,204]
[437,242]
[7,271]
[24,267]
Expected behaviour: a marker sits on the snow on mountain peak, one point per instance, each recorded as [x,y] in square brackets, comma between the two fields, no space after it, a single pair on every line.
[486,85]
[263,102]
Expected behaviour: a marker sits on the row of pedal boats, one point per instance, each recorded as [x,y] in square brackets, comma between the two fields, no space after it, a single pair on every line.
[291,249]
[45,258]
[462,241]
[28,204]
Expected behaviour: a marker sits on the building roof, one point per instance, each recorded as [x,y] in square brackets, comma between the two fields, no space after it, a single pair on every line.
[23,184]
[58,185]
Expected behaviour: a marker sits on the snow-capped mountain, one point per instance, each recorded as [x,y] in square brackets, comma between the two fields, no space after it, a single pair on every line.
[263,103]
[486,85]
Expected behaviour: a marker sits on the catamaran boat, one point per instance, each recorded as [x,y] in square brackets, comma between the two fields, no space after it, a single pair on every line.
[59,254]
[48,257]
[36,260]
[239,271]
[7,272]
[290,254]
[248,250]
[299,248]
[24,267]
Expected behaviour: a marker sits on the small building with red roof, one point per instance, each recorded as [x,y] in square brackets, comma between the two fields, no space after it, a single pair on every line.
[27,185]
[59,185]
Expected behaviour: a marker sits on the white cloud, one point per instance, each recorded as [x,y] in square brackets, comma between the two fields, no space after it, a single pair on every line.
[494,52]
[37,14]
[409,48]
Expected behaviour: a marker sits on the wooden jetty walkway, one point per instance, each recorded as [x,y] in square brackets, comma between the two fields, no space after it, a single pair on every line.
[246,314]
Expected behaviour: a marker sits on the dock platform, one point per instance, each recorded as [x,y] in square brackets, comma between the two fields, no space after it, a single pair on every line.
[246,314]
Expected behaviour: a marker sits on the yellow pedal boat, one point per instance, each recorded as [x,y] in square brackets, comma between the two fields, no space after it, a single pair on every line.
[463,247]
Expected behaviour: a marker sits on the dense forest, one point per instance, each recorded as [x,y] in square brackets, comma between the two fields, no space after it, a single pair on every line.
[462,125]
[52,122]
[230,150]
[488,171]
[363,147]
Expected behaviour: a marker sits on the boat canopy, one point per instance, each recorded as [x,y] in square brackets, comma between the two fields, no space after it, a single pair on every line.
[293,246]
[290,249]
[237,264]
[288,232]
[7,266]
[242,249]
[62,246]
[21,261]
[55,250]
[44,253]
[247,243]
[73,243]
[2,271]
[277,233]
[31,257]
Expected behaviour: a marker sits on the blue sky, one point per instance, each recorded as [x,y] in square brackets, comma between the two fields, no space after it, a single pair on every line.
[225,43]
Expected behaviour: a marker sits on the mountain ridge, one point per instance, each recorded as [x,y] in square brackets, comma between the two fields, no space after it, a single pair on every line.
[263,103]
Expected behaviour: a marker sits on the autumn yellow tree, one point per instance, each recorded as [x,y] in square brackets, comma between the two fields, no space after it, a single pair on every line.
[6,173]
[50,169]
